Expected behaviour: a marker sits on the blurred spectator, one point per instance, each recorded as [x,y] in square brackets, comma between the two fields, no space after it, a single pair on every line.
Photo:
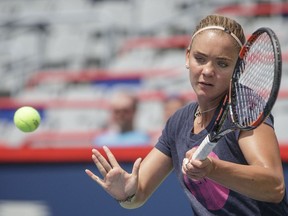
[171,104]
[121,130]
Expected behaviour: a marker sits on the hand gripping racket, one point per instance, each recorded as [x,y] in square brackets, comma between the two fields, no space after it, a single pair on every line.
[254,87]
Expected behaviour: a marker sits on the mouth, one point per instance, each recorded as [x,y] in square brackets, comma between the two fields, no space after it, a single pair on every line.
[205,84]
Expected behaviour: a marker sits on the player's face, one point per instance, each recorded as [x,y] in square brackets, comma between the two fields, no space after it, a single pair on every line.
[211,60]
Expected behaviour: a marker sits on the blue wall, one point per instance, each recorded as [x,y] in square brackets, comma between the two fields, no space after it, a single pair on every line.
[67,191]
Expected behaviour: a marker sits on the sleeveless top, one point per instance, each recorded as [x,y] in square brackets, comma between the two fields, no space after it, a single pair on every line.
[206,196]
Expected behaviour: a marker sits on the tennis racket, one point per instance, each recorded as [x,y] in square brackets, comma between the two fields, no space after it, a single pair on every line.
[254,87]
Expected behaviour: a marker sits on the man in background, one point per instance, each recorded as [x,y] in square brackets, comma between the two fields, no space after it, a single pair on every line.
[171,104]
[121,131]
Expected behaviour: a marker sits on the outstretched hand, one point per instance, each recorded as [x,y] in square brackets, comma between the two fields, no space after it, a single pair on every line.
[116,181]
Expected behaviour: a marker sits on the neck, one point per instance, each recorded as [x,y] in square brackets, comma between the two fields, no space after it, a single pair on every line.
[199,113]
[126,128]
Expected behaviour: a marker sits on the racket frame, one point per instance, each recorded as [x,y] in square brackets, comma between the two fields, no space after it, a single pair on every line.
[217,132]
[276,81]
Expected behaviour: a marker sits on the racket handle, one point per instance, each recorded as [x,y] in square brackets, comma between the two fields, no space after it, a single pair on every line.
[204,149]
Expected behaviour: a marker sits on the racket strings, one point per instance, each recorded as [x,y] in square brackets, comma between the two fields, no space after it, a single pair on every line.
[255,81]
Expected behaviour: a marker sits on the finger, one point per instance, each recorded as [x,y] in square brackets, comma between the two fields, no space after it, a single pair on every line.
[136,167]
[184,170]
[184,165]
[193,150]
[99,166]
[102,160]
[197,163]
[185,160]
[195,178]
[195,173]
[111,157]
[189,168]
[208,162]
[94,177]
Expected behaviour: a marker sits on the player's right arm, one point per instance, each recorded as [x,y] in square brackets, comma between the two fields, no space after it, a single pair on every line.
[153,170]
[146,176]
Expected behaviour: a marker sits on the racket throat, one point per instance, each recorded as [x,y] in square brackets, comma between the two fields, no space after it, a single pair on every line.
[214,137]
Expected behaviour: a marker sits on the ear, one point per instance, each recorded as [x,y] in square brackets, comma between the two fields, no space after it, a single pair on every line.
[187,58]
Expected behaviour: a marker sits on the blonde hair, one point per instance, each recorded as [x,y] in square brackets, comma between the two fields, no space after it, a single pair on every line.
[228,25]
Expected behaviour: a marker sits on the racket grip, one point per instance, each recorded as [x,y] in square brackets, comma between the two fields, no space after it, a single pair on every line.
[204,149]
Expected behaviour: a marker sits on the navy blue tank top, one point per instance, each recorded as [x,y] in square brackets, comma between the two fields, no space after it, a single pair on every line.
[206,196]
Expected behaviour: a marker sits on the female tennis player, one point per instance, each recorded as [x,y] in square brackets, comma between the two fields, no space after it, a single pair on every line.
[243,175]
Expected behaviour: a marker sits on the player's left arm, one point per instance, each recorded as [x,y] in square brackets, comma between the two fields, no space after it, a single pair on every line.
[262,179]
[261,150]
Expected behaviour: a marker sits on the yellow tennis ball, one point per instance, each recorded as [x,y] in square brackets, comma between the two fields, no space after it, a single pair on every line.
[27,119]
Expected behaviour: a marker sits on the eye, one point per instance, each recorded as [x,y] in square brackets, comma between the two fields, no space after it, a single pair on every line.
[223,64]
[199,59]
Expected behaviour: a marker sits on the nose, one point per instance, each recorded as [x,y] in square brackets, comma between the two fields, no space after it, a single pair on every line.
[208,69]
